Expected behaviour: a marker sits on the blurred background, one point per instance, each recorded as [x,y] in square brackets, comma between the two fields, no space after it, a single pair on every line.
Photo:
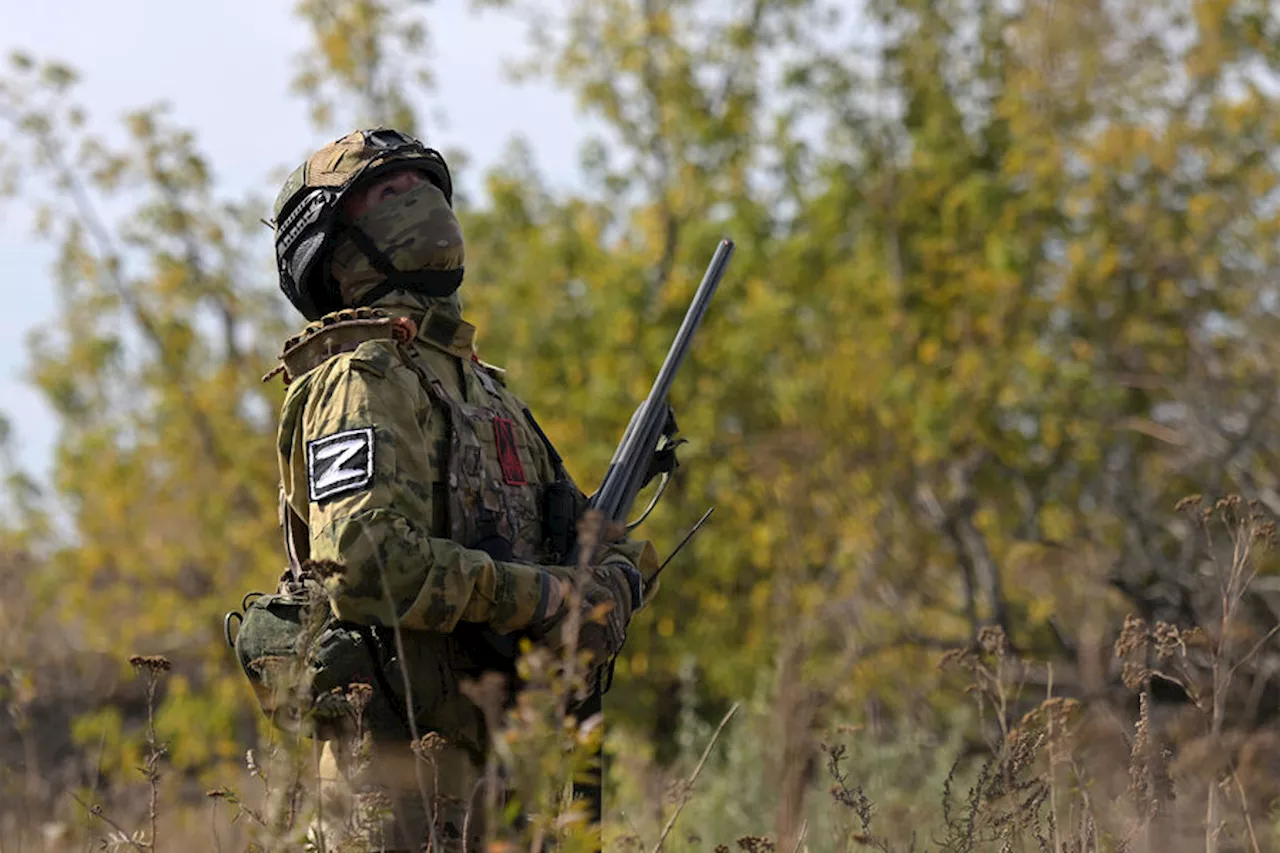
[1005,293]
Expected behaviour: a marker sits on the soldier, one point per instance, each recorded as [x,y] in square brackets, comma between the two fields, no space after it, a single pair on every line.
[417,480]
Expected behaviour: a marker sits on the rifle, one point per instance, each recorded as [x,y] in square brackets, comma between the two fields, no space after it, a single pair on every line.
[632,465]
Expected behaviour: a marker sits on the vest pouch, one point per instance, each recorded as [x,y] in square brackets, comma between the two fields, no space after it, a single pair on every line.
[295,654]
[560,510]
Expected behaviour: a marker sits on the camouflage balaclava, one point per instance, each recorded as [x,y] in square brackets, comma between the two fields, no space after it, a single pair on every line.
[414,231]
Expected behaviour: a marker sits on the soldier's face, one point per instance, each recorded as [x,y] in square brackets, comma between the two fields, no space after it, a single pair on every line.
[363,198]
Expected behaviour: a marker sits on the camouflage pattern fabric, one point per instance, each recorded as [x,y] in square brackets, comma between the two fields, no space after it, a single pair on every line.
[416,230]
[308,218]
[390,531]
[415,478]
[451,460]
[342,162]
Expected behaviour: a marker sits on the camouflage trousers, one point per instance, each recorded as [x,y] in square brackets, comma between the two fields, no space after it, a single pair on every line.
[389,799]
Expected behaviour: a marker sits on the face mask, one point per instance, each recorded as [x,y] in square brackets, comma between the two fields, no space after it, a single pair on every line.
[410,242]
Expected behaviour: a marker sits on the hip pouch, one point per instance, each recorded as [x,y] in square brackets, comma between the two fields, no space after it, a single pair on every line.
[302,664]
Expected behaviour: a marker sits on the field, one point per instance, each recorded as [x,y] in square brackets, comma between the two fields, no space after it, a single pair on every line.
[986,407]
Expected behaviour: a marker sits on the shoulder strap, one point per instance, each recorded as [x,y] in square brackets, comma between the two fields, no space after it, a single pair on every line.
[336,333]
[297,538]
[556,461]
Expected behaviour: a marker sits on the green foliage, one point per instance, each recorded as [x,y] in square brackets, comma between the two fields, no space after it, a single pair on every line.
[104,730]
[367,54]
[163,467]
[1004,292]
[970,330]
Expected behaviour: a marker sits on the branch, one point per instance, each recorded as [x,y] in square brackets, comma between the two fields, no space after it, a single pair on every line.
[662,156]
[754,20]
[97,811]
[938,515]
[955,521]
[66,178]
[671,822]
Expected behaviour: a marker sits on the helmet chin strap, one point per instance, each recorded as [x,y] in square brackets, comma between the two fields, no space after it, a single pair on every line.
[433,284]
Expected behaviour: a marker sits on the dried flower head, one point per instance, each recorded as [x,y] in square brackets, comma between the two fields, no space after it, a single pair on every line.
[993,641]
[962,658]
[1167,640]
[359,695]
[1134,675]
[427,746]
[154,663]
[1053,710]
[1140,787]
[1133,636]
[1189,504]
[1264,533]
[756,844]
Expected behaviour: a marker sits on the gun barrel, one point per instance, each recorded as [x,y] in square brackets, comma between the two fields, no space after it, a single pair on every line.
[692,319]
[631,459]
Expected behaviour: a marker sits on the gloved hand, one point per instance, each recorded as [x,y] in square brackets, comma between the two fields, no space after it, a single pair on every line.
[612,592]
[641,558]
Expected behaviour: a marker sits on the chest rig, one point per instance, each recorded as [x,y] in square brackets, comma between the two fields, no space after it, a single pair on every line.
[493,492]
[493,497]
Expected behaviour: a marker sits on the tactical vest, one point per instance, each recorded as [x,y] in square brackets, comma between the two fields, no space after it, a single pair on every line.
[493,497]
[493,489]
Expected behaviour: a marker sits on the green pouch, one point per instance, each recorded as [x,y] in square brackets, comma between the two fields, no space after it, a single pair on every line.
[301,661]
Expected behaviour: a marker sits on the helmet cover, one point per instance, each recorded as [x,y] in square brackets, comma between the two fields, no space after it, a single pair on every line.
[306,213]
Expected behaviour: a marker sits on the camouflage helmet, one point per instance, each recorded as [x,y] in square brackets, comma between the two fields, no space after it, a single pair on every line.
[308,225]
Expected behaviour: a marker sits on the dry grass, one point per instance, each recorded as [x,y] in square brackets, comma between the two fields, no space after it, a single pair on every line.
[1128,770]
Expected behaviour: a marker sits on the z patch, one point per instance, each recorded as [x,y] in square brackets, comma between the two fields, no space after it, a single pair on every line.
[340,463]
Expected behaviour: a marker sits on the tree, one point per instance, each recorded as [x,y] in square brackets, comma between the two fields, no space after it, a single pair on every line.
[1004,294]
[163,463]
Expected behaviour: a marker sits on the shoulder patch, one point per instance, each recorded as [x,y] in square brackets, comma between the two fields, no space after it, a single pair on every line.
[340,464]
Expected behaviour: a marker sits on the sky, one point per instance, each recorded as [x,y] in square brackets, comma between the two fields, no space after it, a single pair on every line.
[225,70]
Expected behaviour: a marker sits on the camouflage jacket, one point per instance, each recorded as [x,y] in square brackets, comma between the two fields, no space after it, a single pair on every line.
[397,457]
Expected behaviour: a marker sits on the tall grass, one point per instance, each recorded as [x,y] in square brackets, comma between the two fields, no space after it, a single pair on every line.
[1018,767]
